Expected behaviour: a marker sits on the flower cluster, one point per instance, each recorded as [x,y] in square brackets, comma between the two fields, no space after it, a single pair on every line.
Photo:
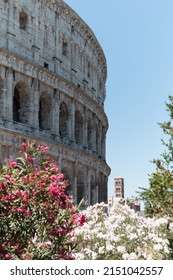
[121,234]
[37,217]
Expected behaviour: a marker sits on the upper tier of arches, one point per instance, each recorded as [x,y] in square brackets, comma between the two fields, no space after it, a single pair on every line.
[53,36]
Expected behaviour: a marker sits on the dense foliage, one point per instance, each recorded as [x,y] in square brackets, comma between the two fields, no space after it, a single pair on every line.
[37,217]
[121,234]
[158,198]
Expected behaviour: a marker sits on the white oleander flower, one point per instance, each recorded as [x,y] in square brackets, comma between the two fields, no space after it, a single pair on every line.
[121,249]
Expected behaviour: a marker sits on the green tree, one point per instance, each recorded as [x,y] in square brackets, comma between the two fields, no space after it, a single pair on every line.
[158,198]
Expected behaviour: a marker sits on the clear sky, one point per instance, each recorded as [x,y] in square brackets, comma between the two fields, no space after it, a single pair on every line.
[137,39]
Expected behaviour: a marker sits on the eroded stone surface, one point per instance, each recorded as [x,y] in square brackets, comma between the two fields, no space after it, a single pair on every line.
[52,89]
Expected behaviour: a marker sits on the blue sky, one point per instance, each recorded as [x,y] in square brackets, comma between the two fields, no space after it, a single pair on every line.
[137,39]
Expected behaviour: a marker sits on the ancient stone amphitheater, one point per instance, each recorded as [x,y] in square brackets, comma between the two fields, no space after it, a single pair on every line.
[52,89]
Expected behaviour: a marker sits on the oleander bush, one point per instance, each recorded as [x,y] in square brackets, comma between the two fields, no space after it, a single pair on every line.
[37,217]
[121,234]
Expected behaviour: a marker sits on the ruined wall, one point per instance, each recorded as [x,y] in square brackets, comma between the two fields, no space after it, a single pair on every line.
[52,89]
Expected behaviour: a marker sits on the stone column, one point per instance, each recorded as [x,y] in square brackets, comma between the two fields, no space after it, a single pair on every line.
[94,133]
[75,171]
[105,195]
[3,100]
[35,104]
[100,138]
[72,122]
[8,97]
[55,126]
[103,141]
[85,129]
[87,186]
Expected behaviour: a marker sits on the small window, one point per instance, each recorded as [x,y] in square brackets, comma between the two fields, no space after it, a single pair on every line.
[72,28]
[23,18]
[89,69]
[46,65]
[64,48]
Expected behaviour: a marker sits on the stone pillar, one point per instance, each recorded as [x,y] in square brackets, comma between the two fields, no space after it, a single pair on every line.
[85,129]
[87,186]
[3,100]
[105,195]
[35,104]
[8,98]
[10,22]
[75,172]
[55,126]
[103,141]
[94,133]
[96,187]
[72,122]
[100,138]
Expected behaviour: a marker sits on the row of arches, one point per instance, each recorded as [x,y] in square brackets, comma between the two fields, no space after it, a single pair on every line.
[57,116]
[92,190]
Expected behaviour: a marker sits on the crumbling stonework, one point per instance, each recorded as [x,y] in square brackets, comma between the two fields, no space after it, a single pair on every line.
[52,89]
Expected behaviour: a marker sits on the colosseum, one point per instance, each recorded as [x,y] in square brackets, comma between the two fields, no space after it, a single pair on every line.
[52,89]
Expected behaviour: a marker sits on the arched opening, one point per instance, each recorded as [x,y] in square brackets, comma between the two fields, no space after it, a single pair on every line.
[23,19]
[89,133]
[16,105]
[78,128]
[21,103]
[45,112]
[64,47]
[63,120]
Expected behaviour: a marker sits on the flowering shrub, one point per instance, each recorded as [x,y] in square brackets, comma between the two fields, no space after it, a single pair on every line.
[37,217]
[121,235]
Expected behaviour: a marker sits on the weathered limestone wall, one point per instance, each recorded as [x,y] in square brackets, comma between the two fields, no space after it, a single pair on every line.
[52,89]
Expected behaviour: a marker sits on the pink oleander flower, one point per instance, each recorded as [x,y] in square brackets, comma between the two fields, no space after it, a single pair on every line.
[53,177]
[8,256]
[42,185]
[45,148]
[16,192]
[12,164]
[81,220]
[25,194]
[54,190]
[26,213]
[30,160]
[2,186]
[60,177]
[24,145]
[59,231]
[19,210]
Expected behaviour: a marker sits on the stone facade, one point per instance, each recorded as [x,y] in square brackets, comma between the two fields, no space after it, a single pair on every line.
[52,89]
